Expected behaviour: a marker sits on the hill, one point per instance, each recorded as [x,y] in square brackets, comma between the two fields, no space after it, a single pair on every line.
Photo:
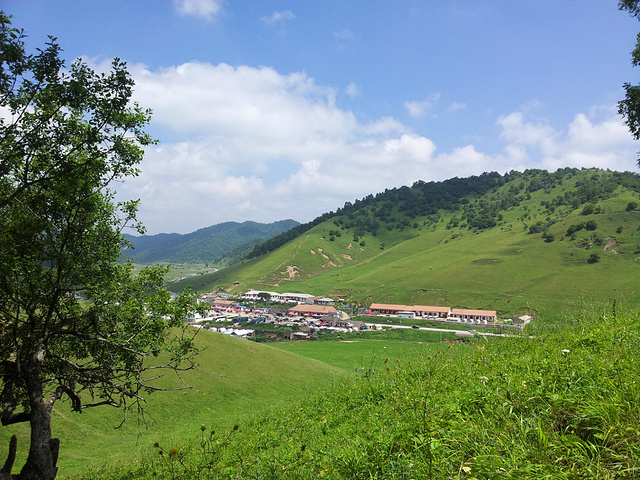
[533,240]
[215,244]
[235,379]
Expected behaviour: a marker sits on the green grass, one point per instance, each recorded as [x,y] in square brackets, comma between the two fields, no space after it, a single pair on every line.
[236,378]
[357,353]
[562,404]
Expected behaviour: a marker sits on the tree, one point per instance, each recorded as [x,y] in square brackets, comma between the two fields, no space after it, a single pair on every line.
[74,323]
[629,108]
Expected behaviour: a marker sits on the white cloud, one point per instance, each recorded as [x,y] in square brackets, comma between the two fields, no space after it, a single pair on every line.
[598,139]
[455,106]
[343,34]
[352,90]
[254,144]
[419,109]
[278,18]
[206,9]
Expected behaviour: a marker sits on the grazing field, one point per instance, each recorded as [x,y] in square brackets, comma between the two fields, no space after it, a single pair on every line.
[359,354]
[235,378]
[563,404]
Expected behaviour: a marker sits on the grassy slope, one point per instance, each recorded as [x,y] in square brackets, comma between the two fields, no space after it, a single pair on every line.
[459,268]
[236,378]
[562,404]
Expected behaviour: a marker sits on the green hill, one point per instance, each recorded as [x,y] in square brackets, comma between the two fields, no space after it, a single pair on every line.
[215,244]
[235,379]
[549,242]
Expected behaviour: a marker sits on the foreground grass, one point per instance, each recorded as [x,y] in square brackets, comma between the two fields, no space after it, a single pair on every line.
[235,379]
[564,404]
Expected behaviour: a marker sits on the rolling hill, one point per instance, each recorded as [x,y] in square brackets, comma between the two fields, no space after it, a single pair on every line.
[215,244]
[550,243]
[235,380]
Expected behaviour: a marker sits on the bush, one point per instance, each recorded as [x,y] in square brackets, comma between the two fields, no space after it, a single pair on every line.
[593,258]
[632,206]
[588,209]
[591,225]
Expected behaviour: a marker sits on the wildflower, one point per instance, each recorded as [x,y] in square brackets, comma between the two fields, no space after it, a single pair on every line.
[484,379]
[202,427]
[565,351]
[173,452]
[157,445]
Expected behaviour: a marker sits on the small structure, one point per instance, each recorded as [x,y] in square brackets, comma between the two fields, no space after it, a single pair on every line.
[315,310]
[417,310]
[472,316]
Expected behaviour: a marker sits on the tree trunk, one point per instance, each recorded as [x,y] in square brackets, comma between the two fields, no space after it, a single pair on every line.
[43,451]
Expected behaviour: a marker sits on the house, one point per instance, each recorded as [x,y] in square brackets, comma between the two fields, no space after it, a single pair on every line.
[388,309]
[316,310]
[323,301]
[472,316]
[288,297]
[431,312]
[418,310]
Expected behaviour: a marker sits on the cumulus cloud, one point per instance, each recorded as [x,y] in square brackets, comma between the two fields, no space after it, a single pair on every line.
[243,143]
[206,9]
[598,139]
[420,108]
[278,18]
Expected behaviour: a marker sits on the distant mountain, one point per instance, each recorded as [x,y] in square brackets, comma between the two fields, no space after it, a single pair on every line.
[550,242]
[215,244]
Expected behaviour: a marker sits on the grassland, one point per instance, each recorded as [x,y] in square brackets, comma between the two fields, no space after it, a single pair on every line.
[563,403]
[235,378]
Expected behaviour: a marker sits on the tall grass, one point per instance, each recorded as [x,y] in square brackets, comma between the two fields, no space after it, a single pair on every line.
[563,404]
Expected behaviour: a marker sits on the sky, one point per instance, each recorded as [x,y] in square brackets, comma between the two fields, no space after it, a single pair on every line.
[269,110]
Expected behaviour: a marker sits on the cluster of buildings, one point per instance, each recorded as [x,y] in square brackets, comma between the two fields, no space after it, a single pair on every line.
[323,307]
[307,304]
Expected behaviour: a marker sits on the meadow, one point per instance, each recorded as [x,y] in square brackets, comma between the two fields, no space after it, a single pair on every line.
[562,403]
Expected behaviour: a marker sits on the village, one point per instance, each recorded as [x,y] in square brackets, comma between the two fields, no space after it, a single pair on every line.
[315,314]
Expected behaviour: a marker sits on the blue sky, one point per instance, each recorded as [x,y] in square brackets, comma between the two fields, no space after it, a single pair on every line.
[267,110]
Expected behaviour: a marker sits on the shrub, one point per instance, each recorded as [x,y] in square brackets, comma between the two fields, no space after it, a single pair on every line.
[588,209]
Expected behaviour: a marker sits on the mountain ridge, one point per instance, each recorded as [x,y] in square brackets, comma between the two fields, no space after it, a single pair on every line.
[214,244]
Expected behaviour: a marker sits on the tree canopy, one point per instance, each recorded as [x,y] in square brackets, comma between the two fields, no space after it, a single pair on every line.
[74,323]
[629,108]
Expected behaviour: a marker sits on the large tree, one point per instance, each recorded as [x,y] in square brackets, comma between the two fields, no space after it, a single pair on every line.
[74,323]
[629,108]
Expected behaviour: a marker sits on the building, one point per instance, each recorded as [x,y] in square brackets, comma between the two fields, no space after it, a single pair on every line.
[315,310]
[418,310]
[305,298]
[431,312]
[472,316]
[437,313]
